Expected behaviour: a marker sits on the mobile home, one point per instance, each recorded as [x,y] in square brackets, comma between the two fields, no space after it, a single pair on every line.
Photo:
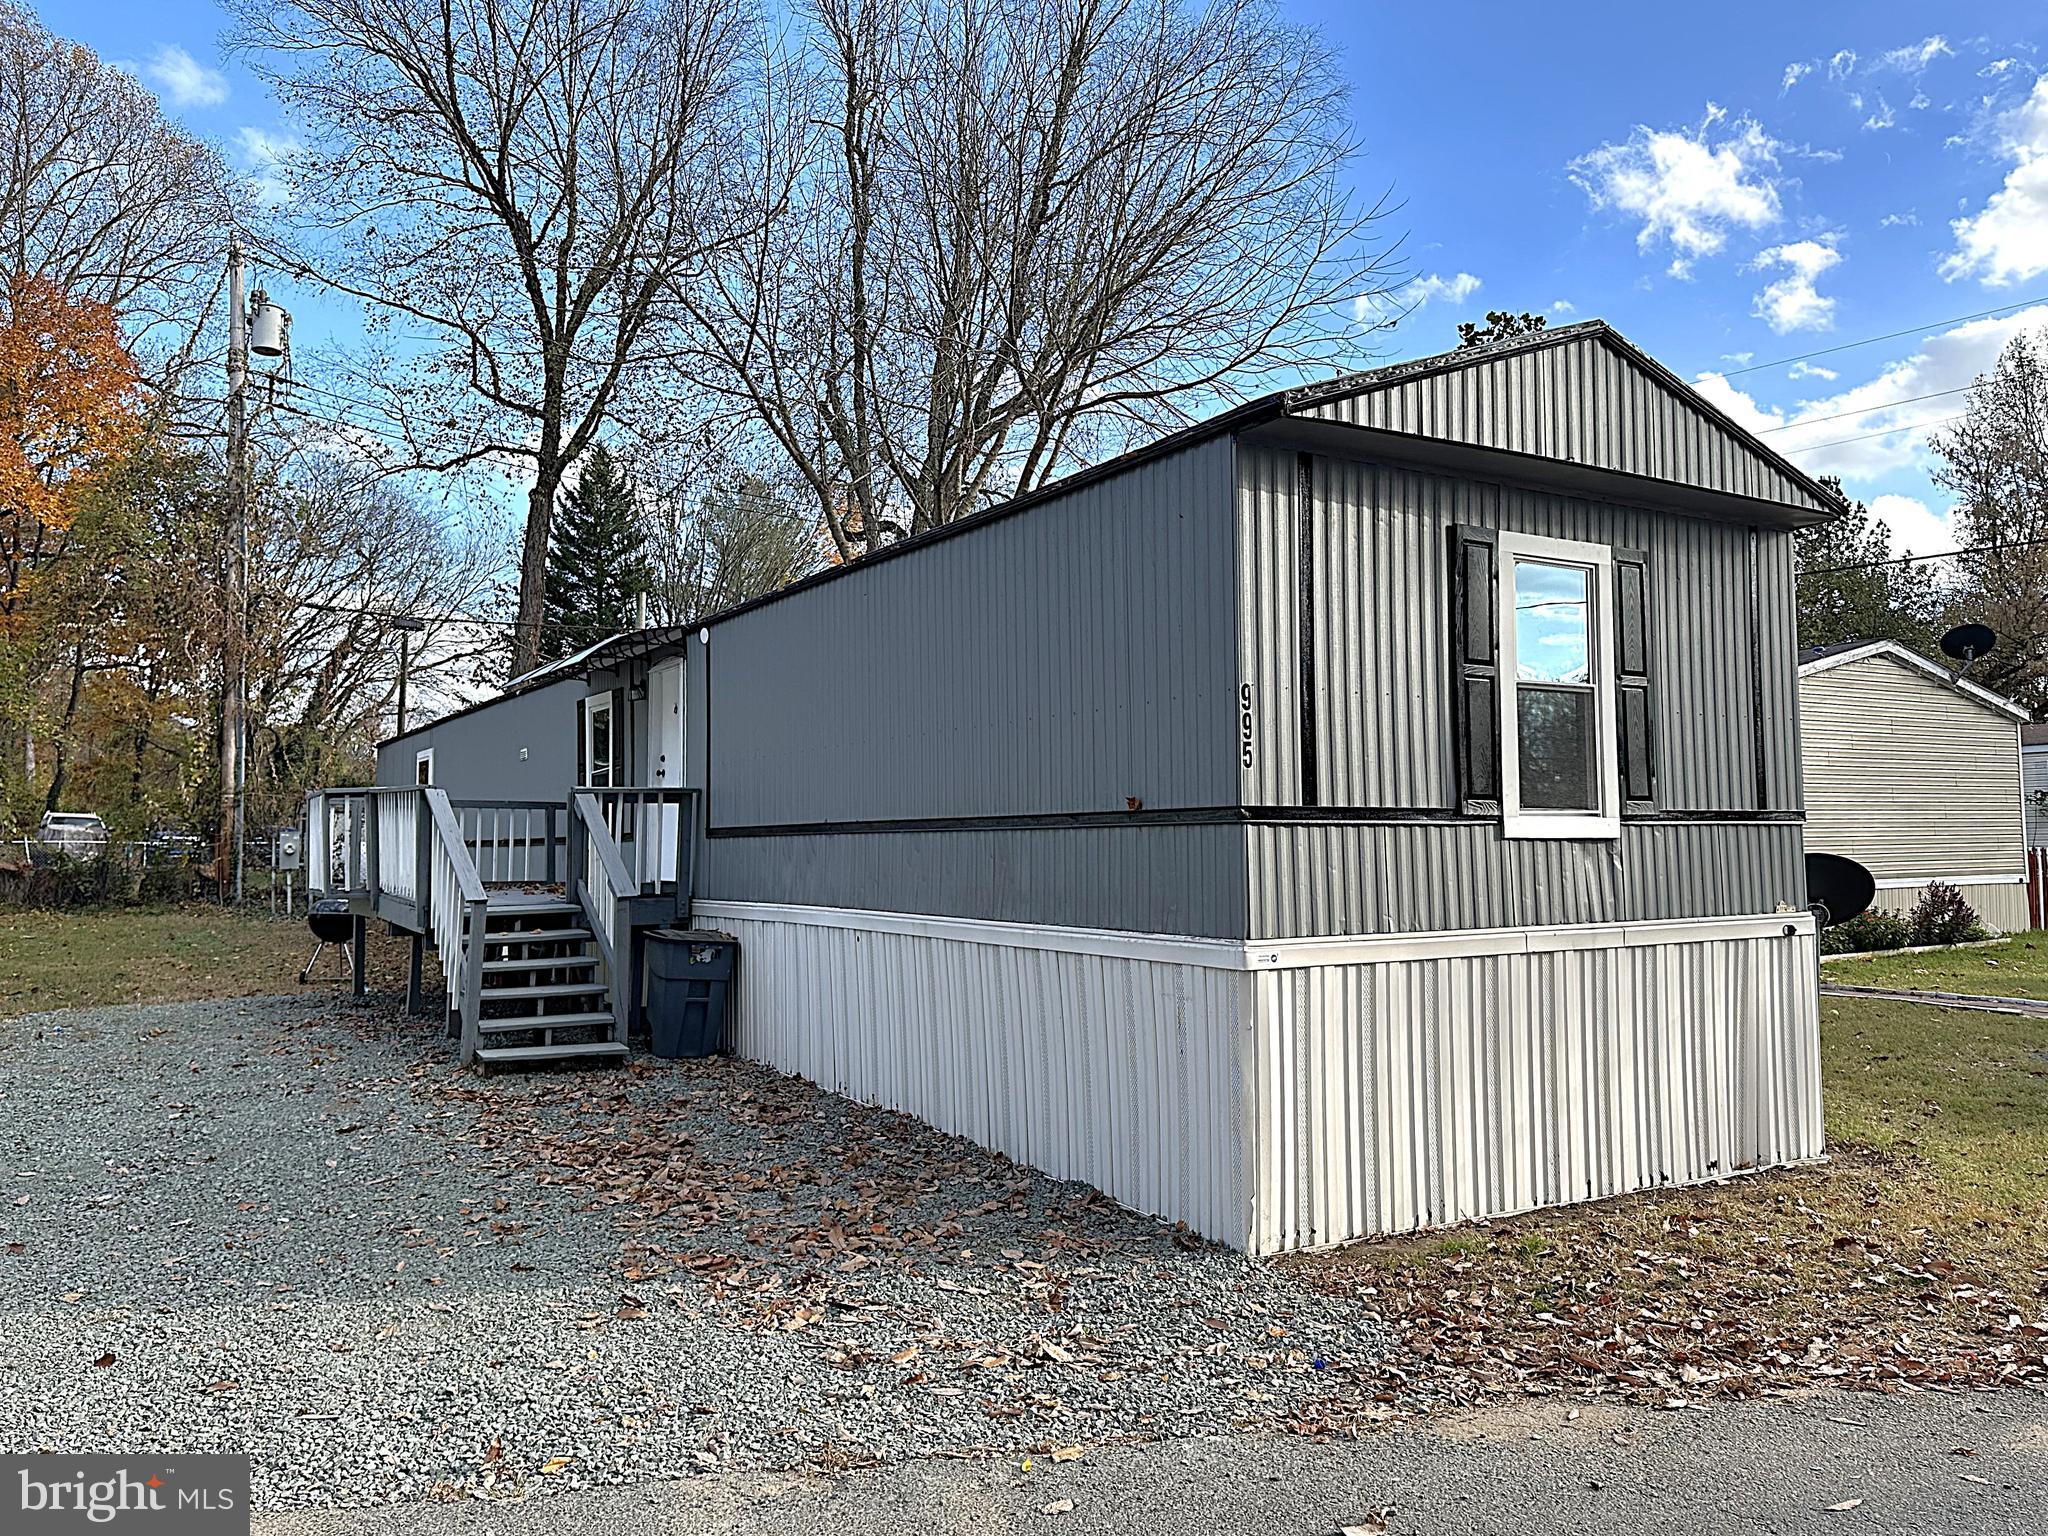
[1375,807]
[1916,775]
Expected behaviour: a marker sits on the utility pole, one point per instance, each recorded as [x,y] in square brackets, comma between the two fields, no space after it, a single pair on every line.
[407,628]
[235,639]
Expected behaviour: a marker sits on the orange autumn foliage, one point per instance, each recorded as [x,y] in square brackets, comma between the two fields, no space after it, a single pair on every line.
[68,417]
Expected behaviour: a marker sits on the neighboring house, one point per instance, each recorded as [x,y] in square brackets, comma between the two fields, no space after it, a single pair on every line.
[1373,808]
[2034,782]
[1915,774]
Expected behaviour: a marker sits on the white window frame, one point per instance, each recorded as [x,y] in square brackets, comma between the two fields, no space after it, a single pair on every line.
[594,705]
[423,759]
[1598,561]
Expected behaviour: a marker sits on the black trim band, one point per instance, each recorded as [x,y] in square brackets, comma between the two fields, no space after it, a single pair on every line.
[1209,816]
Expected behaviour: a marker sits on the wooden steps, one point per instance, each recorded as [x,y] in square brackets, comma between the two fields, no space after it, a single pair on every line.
[541,950]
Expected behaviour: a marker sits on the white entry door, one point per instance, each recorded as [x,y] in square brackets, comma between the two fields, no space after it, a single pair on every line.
[665,754]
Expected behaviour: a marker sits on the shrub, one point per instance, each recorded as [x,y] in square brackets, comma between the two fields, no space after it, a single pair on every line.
[1942,917]
[1866,930]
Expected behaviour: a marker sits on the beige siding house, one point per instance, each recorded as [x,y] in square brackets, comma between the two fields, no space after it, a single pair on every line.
[1916,776]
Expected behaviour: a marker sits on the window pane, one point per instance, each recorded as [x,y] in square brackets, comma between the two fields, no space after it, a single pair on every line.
[1556,748]
[1551,622]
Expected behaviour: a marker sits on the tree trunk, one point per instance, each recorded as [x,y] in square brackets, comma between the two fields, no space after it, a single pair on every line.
[533,566]
[52,801]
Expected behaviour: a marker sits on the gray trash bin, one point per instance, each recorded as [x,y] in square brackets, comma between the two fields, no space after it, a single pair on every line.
[689,979]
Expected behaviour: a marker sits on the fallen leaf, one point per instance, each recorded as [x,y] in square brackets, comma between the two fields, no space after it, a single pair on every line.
[1971,1477]
[555,1464]
[105,1360]
[1057,1507]
[1372,1523]
[1067,1453]
[1845,1505]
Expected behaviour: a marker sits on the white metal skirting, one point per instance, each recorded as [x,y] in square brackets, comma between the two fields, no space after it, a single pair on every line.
[2000,901]
[1412,1094]
[1126,1074]
[1295,1094]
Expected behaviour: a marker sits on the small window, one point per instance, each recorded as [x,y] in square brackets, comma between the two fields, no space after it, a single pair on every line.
[1557,705]
[423,767]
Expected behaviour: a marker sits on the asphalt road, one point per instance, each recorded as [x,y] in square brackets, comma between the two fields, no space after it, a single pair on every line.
[1529,1468]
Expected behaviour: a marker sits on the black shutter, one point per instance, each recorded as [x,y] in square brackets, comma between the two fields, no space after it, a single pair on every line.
[618,724]
[582,766]
[1634,699]
[1475,653]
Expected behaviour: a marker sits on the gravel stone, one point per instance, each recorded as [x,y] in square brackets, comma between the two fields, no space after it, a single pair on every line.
[300,1231]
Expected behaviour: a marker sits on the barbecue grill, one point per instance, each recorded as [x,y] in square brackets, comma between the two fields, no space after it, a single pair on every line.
[331,922]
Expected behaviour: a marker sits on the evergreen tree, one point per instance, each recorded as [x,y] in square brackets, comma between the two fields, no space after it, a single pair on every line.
[1850,588]
[597,568]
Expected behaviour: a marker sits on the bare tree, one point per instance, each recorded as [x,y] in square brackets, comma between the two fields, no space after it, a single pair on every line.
[993,237]
[736,540]
[519,185]
[1995,460]
[98,191]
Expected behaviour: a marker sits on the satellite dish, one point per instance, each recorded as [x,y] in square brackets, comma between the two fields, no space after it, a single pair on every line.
[1838,888]
[1966,642]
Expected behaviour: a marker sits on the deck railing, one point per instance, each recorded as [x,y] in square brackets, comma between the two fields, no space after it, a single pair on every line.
[513,842]
[654,828]
[457,906]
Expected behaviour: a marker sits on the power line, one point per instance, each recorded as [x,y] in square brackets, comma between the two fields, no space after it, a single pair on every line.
[1779,362]
[1868,410]
[1939,421]
[1946,554]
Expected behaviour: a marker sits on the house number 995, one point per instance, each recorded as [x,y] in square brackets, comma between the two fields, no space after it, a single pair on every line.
[1244,722]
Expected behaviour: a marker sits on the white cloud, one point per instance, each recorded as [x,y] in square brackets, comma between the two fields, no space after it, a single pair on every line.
[1685,187]
[1997,67]
[184,80]
[1916,528]
[1794,73]
[1864,432]
[1738,359]
[1563,307]
[1883,117]
[1452,290]
[1805,370]
[2006,241]
[1842,65]
[264,156]
[1792,302]
[1915,57]
[1897,220]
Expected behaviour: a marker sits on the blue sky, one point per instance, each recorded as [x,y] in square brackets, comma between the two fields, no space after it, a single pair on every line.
[1731,185]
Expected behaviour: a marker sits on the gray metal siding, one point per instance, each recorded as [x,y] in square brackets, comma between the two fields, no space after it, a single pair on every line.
[1582,402]
[476,755]
[1061,660]
[1316,880]
[1141,879]
[1382,704]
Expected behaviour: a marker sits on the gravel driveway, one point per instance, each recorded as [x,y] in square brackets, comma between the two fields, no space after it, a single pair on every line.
[291,1226]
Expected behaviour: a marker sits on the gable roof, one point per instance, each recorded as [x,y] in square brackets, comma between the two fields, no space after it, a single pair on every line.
[1825,658]
[1579,394]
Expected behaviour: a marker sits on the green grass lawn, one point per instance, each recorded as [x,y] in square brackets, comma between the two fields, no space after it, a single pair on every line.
[2018,967]
[166,954]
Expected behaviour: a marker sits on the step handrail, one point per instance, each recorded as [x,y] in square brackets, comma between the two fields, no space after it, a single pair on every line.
[614,882]
[458,906]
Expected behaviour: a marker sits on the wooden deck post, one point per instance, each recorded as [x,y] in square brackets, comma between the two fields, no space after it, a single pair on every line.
[360,949]
[415,1000]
